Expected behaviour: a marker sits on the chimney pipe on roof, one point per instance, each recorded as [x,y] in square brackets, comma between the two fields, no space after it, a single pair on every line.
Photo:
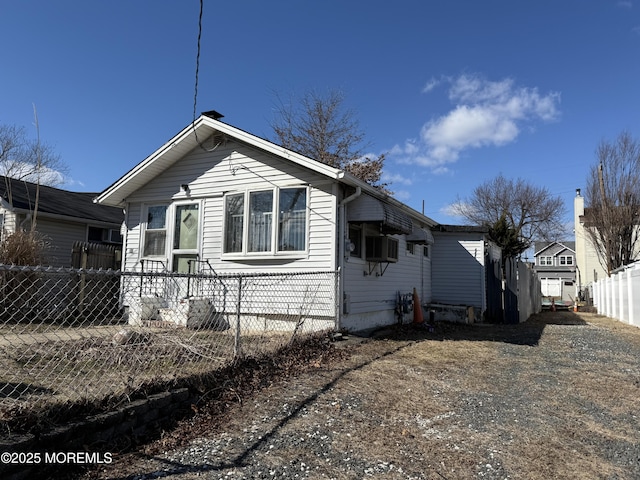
[213,114]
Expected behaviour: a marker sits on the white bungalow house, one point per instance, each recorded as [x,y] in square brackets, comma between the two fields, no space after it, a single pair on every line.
[246,205]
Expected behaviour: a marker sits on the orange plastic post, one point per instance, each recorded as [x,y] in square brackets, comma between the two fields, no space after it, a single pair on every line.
[417,308]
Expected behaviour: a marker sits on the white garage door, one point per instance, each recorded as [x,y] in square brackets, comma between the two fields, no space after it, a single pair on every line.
[551,287]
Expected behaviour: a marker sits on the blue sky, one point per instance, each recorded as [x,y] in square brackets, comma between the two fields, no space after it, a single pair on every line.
[455,92]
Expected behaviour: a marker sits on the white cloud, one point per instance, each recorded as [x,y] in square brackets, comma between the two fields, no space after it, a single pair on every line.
[454,209]
[624,4]
[484,114]
[430,85]
[28,173]
[441,170]
[402,195]
[396,178]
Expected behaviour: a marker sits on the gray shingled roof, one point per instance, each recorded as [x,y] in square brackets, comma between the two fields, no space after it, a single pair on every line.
[54,201]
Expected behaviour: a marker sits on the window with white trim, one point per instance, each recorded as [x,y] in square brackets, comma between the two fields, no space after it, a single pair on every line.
[234,223]
[545,261]
[249,221]
[566,260]
[292,219]
[171,233]
[155,234]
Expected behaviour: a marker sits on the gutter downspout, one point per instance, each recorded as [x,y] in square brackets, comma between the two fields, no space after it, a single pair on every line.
[342,239]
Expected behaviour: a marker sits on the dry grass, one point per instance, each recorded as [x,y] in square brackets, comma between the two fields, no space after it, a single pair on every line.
[48,375]
[553,398]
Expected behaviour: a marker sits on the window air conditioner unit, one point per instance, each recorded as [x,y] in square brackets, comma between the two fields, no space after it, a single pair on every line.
[381,249]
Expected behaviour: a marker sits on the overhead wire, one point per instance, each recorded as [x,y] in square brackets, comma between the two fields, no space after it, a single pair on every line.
[195,93]
[197,75]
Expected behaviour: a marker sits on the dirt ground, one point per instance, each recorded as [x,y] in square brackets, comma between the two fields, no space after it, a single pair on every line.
[554,397]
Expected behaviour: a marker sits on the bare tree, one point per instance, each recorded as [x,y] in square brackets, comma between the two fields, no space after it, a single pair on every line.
[321,128]
[612,200]
[515,212]
[27,159]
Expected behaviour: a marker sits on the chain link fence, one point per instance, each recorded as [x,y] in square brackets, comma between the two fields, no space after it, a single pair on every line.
[71,336]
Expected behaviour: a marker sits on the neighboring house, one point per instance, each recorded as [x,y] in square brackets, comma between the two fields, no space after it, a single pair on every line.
[63,217]
[555,264]
[217,193]
[467,266]
[589,268]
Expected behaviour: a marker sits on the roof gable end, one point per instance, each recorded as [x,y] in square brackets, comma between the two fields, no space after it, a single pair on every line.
[192,137]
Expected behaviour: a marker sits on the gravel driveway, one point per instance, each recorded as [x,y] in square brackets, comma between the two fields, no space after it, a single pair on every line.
[555,397]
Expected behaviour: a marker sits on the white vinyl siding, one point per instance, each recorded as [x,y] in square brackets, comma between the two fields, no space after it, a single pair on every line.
[131,251]
[230,168]
[8,223]
[370,292]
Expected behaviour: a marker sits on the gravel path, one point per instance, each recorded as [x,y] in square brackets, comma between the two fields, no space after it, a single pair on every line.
[555,397]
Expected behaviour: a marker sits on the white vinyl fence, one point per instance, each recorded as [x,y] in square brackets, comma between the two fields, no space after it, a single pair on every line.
[618,296]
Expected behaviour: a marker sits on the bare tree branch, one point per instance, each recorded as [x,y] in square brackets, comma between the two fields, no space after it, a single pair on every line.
[532,213]
[320,127]
[612,200]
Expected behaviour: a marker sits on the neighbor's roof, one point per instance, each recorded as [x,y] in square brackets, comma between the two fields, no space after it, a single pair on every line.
[202,128]
[542,246]
[54,202]
[462,229]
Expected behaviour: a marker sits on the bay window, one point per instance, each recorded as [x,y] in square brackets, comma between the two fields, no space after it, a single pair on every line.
[266,221]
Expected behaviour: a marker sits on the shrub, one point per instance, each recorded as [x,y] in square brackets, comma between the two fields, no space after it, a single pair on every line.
[23,248]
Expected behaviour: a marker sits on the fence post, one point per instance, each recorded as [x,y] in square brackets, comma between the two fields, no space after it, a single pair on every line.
[141,276]
[630,296]
[83,280]
[609,298]
[237,345]
[621,296]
